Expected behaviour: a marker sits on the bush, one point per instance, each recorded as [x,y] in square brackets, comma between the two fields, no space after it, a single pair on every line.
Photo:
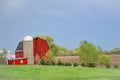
[60,63]
[88,65]
[75,64]
[116,66]
[52,63]
[107,66]
[105,60]
[84,65]
[43,62]
[68,64]
[91,65]
[48,63]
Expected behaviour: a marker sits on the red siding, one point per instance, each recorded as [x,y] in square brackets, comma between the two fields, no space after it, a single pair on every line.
[40,48]
[10,62]
[23,61]
[18,54]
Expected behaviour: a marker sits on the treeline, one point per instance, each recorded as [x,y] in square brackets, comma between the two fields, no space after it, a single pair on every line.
[57,50]
[90,54]
[113,51]
[62,51]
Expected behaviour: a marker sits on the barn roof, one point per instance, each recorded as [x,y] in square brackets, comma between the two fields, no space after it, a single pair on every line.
[39,36]
[19,47]
[18,58]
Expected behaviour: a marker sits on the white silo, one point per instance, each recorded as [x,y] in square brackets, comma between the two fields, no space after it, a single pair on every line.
[28,49]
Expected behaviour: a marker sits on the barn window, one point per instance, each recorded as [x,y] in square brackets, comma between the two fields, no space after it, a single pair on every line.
[21,61]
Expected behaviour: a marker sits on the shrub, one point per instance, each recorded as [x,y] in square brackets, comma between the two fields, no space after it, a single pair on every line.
[107,66]
[43,62]
[91,65]
[52,63]
[75,64]
[67,64]
[116,66]
[60,63]
[84,65]
[105,60]
[48,63]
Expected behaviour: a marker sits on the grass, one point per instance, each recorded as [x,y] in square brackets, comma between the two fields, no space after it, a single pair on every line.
[37,72]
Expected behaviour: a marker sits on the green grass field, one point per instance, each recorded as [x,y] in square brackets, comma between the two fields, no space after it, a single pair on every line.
[57,73]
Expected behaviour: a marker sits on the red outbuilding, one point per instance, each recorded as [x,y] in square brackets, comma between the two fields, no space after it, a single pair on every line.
[31,51]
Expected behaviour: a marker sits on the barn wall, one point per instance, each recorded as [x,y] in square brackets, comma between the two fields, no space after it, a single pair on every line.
[40,49]
[18,54]
[10,62]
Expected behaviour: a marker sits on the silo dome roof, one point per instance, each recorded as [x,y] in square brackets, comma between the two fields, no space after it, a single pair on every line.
[28,38]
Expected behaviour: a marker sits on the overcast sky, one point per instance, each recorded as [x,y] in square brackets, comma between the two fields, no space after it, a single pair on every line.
[68,21]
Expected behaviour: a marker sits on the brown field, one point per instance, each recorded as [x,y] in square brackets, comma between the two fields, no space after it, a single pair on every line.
[115,59]
[72,59]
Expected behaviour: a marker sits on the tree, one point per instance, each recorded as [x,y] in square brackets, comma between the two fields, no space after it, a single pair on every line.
[113,51]
[4,53]
[75,52]
[3,56]
[62,51]
[49,39]
[105,60]
[88,53]
[56,50]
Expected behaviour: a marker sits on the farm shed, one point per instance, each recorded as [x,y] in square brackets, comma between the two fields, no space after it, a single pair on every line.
[18,61]
[31,51]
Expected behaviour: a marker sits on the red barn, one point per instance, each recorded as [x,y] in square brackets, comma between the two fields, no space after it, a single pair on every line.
[31,51]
